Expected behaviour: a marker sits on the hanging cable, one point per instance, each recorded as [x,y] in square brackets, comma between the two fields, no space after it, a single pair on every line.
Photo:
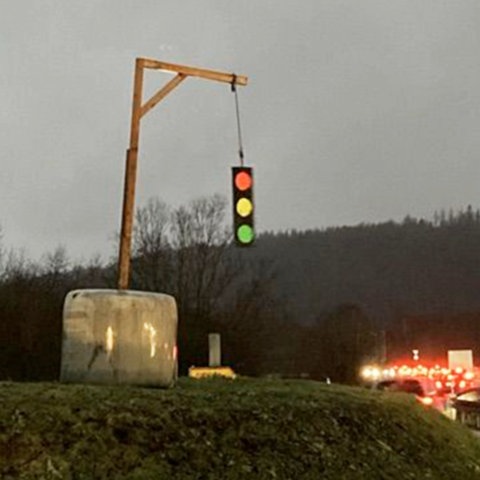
[239,129]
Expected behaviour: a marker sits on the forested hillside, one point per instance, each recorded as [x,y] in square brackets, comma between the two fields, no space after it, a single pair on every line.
[314,302]
[388,269]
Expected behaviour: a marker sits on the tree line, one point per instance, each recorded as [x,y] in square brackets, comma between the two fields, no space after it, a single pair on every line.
[185,252]
[389,269]
[312,303]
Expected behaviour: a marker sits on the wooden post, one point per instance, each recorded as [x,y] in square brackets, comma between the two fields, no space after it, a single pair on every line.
[138,111]
[130,180]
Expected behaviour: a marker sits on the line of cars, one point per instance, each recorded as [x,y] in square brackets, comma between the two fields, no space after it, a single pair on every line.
[423,388]
[465,407]
[455,393]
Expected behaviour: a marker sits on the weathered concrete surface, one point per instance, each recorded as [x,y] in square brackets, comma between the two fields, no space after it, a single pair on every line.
[119,337]
[214,350]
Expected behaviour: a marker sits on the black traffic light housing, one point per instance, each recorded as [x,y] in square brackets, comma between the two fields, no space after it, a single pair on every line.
[243,206]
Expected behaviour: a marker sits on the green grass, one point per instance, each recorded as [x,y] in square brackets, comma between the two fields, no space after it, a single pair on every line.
[214,429]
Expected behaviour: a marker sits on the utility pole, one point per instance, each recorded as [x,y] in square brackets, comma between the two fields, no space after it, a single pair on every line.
[140,109]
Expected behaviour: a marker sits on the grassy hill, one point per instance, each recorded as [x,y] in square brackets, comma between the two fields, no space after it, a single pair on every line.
[246,429]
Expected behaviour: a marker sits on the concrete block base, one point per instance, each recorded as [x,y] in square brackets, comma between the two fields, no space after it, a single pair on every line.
[119,337]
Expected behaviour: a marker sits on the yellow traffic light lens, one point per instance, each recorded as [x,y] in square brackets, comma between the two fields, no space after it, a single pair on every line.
[244,207]
[245,234]
[243,181]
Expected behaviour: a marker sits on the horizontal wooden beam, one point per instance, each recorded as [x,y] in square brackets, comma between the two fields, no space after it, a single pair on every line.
[193,71]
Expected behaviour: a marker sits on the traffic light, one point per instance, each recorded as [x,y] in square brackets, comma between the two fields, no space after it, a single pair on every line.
[243,208]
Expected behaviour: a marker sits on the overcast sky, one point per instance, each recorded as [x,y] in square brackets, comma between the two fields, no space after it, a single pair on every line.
[355,111]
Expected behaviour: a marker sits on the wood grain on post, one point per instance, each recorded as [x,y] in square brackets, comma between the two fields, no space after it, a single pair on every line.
[130,180]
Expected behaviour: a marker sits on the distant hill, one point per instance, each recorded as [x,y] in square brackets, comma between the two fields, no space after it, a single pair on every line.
[388,269]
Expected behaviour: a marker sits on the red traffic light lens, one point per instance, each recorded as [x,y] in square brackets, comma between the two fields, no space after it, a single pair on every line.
[243,181]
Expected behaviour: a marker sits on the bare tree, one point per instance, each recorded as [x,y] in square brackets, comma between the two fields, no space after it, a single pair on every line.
[183,252]
[57,262]
[200,240]
[188,253]
[55,267]
[151,264]
[17,265]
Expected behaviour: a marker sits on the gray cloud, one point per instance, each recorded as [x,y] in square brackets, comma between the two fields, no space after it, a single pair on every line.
[355,111]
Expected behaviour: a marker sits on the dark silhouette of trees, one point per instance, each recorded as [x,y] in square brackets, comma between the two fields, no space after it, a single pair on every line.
[180,252]
[151,247]
[31,304]
[311,302]
[387,269]
[339,343]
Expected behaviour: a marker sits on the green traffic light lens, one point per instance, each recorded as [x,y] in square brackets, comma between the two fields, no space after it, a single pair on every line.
[245,234]
[244,207]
